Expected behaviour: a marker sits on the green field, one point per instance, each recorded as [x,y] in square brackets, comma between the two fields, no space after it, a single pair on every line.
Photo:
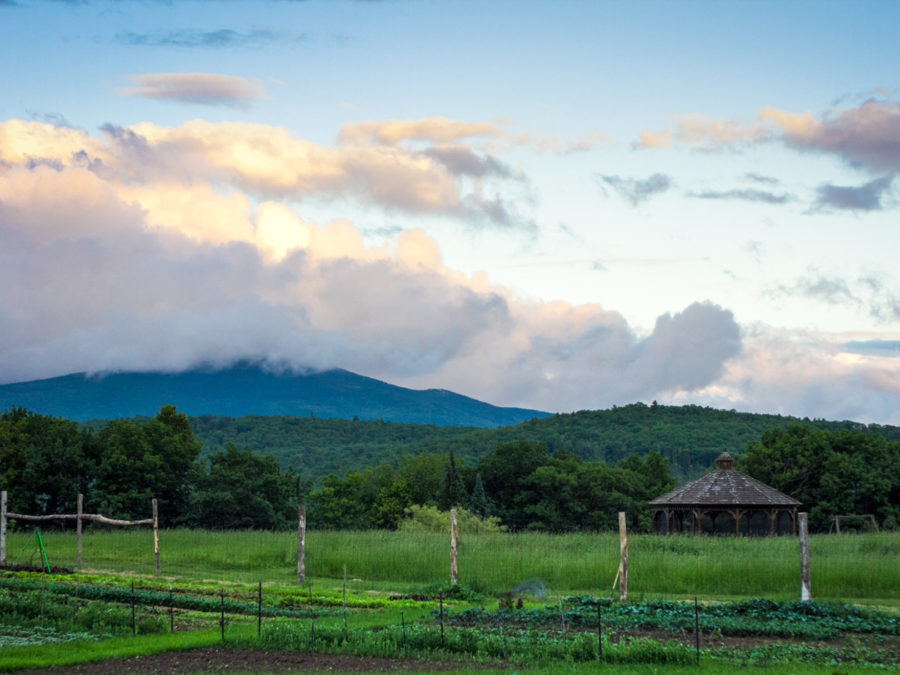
[859,568]
[746,587]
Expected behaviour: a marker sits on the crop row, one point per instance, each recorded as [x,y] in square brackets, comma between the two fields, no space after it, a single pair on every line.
[757,617]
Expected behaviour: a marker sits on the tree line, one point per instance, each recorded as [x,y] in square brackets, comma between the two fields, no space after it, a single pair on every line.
[119,466]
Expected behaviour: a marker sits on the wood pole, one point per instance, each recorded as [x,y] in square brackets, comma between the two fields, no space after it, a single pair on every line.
[3,527]
[805,594]
[80,511]
[454,572]
[156,534]
[623,562]
[301,544]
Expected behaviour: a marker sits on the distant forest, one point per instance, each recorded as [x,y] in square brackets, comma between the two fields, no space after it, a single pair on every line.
[689,437]
[559,474]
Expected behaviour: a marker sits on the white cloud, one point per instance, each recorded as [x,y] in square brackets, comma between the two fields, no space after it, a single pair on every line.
[198,88]
[108,279]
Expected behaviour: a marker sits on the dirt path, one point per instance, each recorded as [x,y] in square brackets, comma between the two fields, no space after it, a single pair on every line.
[211,660]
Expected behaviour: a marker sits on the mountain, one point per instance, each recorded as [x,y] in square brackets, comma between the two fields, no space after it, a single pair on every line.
[249,390]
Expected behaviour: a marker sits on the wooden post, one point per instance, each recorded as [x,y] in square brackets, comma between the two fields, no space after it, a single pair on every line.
[80,510]
[156,534]
[301,544]
[623,562]
[3,527]
[805,595]
[454,573]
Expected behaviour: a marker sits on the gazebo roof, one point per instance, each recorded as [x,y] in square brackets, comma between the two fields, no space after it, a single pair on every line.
[724,486]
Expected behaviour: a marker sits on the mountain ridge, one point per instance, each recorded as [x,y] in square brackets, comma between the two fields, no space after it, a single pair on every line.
[245,390]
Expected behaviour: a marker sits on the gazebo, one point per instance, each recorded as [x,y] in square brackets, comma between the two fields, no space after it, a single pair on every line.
[725,501]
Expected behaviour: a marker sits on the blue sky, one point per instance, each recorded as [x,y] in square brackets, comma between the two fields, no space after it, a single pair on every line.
[563,205]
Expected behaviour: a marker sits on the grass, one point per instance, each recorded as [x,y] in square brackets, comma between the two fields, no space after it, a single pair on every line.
[845,568]
[44,656]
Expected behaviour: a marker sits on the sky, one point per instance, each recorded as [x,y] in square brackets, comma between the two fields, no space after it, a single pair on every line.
[555,205]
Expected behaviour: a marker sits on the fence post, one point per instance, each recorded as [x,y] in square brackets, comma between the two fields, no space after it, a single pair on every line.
[623,562]
[156,534]
[301,544]
[805,595]
[80,510]
[454,572]
[3,527]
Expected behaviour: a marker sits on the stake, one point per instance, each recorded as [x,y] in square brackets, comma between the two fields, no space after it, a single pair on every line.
[78,527]
[156,534]
[562,618]
[805,594]
[454,572]
[599,633]
[222,615]
[345,602]
[133,627]
[259,613]
[3,527]
[623,563]
[171,611]
[301,544]
[403,623]
[441,600]
[697,629]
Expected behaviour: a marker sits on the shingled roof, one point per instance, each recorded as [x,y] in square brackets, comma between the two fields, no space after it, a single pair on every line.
[724,486]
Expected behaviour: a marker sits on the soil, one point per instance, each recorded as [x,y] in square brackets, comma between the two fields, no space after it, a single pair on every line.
[211,660]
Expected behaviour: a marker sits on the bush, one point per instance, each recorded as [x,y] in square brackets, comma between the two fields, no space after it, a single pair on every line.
[432,519]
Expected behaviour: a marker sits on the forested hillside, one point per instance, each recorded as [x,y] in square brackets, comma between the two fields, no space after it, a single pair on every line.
[690,437]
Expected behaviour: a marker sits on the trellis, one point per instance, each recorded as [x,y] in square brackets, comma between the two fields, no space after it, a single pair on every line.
[79,517]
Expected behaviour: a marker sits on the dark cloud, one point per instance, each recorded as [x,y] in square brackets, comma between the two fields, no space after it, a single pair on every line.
[867,135]
[760,178]
[636,190]
[462,161]
[217,39]
[866,197]
[198,88]
[744,195]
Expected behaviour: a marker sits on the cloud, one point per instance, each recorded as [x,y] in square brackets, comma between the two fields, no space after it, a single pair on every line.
[197,88]
[559,146]
[866,197]
[271,163]
[744,195]
[433,129]
[462,161]
[635,190]
[875,347]
[805,375]
[867,135]
[108,278]
[219,39]
[872,293]
[760,178]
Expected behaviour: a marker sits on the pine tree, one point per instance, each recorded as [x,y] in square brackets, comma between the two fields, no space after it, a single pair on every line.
[479,504]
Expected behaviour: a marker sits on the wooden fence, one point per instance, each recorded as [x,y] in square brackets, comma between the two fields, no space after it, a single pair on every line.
[78,517]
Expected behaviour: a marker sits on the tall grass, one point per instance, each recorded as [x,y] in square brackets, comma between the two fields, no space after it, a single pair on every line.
[845,568]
